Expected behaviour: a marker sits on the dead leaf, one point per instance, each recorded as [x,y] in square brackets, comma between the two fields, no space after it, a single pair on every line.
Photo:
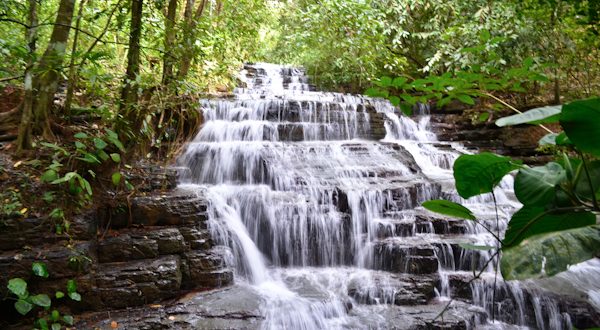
[17,164]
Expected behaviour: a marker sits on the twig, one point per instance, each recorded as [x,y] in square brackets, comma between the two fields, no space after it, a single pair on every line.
[513,109]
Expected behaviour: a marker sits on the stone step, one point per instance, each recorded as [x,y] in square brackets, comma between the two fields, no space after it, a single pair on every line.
[177,208]
[426,254]
[150,242]
[396,289]
[403,224]
[144,281]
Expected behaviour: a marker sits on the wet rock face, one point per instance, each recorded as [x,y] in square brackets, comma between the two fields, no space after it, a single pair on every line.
[518,142]
[160,253]
[124,284]
[171,251]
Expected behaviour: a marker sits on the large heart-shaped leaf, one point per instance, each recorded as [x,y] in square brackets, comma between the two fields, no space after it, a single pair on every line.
[549,254]
[535,186]
[543,115]
[581,122]
[534,220]
[478,174]
[449,208]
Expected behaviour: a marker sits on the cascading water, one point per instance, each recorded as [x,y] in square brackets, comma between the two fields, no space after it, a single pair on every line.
[323,221]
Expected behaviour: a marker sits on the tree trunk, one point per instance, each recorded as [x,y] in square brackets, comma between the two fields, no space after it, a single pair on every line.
[169,56]
[72,68]
[129,93]
[189,36]
[24,137]
[47,71]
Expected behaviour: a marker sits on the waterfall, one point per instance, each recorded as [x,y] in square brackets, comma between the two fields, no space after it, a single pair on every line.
[322,216]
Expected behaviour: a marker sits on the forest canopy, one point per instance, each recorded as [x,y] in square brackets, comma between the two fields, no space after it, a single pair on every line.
[120,58]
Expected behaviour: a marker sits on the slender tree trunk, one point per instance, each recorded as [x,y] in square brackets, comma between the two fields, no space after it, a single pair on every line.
[169,56]
[72,80]
[189,36]
[129,93]
[47,71]
[24,137]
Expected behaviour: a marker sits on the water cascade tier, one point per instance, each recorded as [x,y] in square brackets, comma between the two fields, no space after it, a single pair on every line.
[316,197]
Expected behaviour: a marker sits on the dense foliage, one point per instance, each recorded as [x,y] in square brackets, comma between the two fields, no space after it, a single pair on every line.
[557,225]
[349,43]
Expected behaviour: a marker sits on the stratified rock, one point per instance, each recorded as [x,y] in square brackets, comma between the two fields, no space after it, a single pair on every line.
[125,284]
[207,269]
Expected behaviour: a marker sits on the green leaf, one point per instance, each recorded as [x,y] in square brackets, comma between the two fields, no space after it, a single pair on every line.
[550,254]
[102,154]
[85,184]
[372,92]
[55,315]
[41,300]
[468,246]
[444,101]
[68,319]
[55,326]
[75,296]
[18,286]
[80,135]
[49,176]
[484,35]
[42,323]
[39,269]
[548,139]
[483,117]
[543,115]
[399,82]
[71,286]
[406,109]
[466,99]
[536,186]
[99,143]
[409,98]
[395,100]
[23,307]
[563,140]
[68,176]
[385,81]
[449,208]
[117,143]
[581,122]
[478,174]
[116,179]
[128,185]
[116,158]
[80,145]
[59,294]
[534,220]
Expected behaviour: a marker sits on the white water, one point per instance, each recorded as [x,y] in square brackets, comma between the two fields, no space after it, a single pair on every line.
[318,219]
